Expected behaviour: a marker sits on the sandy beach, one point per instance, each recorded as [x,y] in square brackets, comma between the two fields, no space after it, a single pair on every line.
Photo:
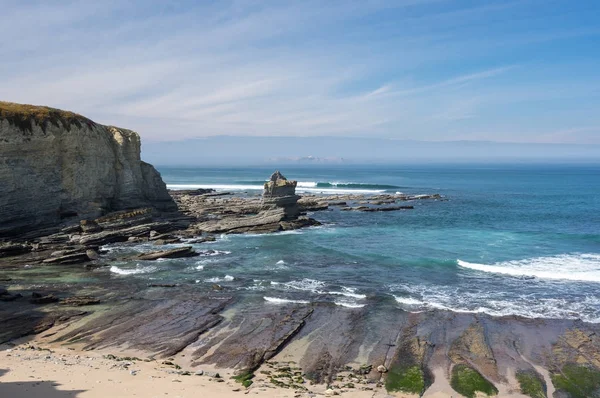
[34,369]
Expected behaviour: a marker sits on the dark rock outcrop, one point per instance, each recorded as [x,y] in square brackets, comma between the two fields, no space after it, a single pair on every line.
[56,165]
[186,251]
[278,210]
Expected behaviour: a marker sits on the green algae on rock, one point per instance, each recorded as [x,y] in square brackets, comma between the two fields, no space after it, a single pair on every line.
[467,381]
[405,379]
[578,381]
[531,384]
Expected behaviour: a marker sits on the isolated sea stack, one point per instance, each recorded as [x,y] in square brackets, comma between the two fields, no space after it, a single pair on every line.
[277,210]
[56,165]
[281,193]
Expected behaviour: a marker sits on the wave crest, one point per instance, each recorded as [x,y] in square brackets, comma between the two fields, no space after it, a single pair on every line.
[572,267]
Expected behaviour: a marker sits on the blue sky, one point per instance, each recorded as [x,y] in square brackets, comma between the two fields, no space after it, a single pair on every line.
[508,71]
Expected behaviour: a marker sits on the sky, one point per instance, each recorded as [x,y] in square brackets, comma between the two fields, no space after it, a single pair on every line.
[433,70]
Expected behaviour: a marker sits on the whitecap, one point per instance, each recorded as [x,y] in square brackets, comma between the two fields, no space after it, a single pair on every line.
[311,285]
[276,300]
[348,304]
[306,184]
[210,253]
[349,292]
[408,301]
[572,267]
[280,262]
[216,279]
[131,271]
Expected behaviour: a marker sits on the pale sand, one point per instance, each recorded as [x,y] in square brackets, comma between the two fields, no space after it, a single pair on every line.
[51,371]
[64,373]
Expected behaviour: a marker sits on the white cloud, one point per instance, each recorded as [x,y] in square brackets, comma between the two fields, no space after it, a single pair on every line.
[281,68]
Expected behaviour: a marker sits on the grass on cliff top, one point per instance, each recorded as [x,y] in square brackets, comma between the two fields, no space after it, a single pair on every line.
[22,115]
[531,384]
[578,381]
[467,381]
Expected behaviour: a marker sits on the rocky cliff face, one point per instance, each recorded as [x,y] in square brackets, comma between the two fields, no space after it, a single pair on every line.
[56,164]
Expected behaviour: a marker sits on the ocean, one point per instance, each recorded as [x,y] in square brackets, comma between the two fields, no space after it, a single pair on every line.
[505,240]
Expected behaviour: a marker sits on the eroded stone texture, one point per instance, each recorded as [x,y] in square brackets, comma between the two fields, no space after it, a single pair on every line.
[70,167]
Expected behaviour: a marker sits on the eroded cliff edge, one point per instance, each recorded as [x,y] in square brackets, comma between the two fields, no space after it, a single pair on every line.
[56,164]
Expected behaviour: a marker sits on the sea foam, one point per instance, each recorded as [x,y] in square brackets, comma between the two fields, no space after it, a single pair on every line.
[276,300]
[572,267]
[133,271]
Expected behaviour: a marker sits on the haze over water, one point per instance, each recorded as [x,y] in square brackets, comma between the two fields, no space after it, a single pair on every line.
[509,240]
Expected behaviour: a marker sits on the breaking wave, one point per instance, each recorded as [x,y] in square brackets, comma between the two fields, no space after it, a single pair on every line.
[572,267]
[276,300]
[132,271]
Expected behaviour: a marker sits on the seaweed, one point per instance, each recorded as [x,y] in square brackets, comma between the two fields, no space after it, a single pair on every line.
[531,384]
[579,381]
[467,381]
[408,379]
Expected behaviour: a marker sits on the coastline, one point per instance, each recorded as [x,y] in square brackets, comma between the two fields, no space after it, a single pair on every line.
[285,348]
[36,368]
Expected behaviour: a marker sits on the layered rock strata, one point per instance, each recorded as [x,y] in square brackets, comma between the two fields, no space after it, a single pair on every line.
[278,210]
[56,165]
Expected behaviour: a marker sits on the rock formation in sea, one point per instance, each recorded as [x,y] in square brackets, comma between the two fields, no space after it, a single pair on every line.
[56,164]
[279,192]
[278,210]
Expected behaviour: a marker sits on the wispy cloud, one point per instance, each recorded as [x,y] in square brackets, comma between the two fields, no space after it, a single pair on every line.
[407,69]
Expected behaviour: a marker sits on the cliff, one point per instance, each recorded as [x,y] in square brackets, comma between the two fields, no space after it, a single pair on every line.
[56,164]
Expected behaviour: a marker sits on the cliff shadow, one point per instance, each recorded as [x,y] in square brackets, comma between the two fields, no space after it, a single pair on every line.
[46,389]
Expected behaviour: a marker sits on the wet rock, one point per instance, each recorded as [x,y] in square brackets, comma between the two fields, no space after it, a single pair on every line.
[71,229]
[89,226]
[10,297]
[163,285]
[37,298]
[14,249]
[79,301]
[193,192]
[202,240]
[386,208]
[106,237]
[186,251]
[92,254]
[75,258]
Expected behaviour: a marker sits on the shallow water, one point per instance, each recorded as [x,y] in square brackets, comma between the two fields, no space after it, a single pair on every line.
[522,240]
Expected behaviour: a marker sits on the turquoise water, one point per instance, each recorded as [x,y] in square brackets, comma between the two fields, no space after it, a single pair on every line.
[522,240]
